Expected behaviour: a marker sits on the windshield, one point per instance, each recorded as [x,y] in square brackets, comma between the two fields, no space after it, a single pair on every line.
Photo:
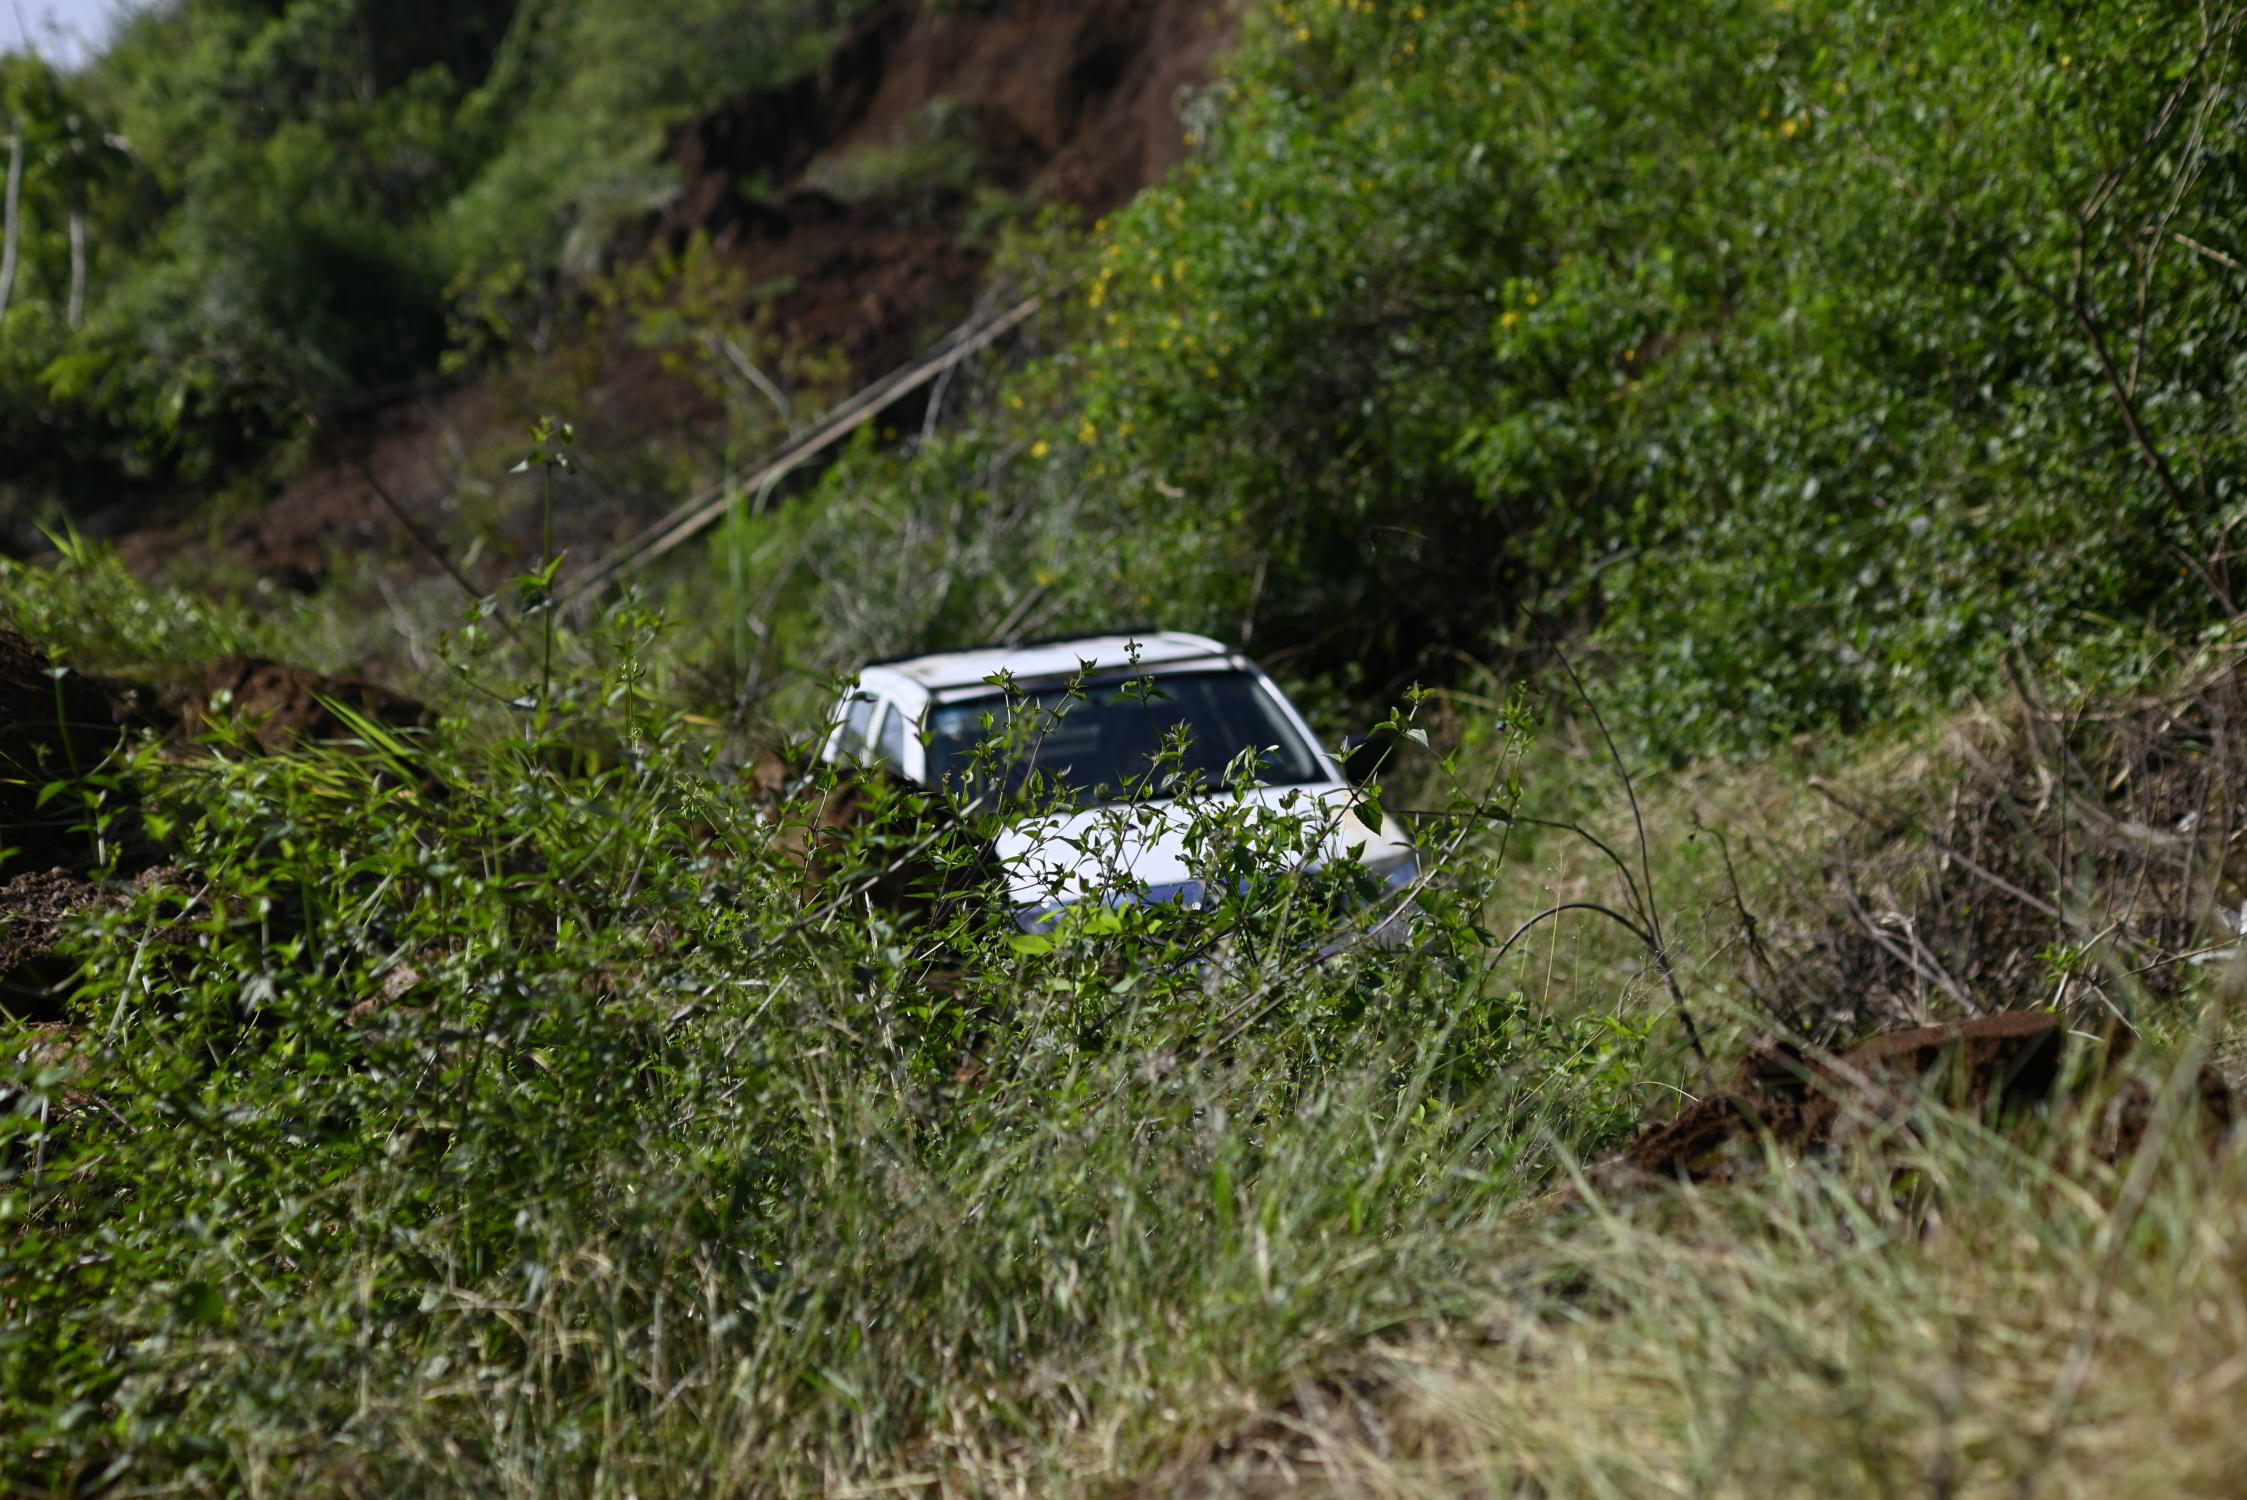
[1099,741]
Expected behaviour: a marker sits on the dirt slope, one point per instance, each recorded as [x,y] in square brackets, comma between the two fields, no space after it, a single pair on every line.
[859,203]
[1044,100]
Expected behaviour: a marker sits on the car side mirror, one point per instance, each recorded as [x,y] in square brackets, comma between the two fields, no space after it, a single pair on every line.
[1365,755]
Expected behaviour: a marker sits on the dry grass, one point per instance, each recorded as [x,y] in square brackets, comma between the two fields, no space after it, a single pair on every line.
[1977,1315]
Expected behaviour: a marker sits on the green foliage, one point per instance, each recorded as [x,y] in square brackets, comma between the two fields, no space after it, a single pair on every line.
[85,605]
[504,1108]
[1816,352]
[291,207]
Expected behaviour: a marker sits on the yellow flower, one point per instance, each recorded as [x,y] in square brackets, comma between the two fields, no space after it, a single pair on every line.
[1040,448]
[1510,318]
[1089,432]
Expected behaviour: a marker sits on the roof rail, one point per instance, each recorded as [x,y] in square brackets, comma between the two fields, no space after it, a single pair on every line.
[1017,643]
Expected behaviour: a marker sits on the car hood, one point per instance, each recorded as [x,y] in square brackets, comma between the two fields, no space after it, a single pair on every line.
[1142,847]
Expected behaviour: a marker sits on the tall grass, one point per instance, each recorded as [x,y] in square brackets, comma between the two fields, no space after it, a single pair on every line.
[1962,1314]
[476,1112]
[489,1114]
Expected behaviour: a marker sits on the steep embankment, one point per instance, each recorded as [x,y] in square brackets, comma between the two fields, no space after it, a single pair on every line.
[851,213]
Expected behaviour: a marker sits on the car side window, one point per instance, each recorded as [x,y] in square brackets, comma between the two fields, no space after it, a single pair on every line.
[893,740]
[858,722]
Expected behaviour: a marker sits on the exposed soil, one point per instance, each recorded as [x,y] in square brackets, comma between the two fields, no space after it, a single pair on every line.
[856,203]
[34,977]
[1806,1100]
[56,727]
[55,724]
[32,908]
[1075,103]
[279,707]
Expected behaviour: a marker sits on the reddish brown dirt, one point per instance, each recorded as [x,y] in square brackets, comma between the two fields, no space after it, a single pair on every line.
[1075,99]
[32,908]
[423,471]
[1056,100]
[1805,1100]
[34,977]
[1048,101]
[278,707]
[54,723]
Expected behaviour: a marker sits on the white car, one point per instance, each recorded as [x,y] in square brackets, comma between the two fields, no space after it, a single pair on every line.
[1101,717]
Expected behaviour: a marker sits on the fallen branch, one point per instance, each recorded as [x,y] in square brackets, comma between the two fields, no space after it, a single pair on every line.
[694,516]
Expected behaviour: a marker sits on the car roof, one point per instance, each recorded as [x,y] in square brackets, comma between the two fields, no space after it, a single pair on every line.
[942,672]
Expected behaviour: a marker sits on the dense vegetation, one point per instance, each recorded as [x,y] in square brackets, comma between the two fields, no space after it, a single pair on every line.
[1816,354]
[288,209]
[504,1109]
[532,1102]
[1811,354]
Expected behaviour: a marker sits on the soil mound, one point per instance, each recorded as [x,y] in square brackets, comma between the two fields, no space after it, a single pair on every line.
[280,707]
[34,977]
[1806,1100]
[55,724]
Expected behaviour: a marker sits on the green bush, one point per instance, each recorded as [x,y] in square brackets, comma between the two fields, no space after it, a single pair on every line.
[287,204]
[1815,352]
